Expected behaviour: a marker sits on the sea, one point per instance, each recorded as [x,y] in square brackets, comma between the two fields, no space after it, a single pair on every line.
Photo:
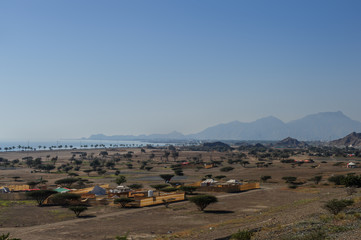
[71,144]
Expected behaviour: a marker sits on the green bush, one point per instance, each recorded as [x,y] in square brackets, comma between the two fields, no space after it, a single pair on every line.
[335,206]
[313,235]
[169,189]
[136,186]
[289,179]
[226,169]
[7,237]
[265,178]
[337,179]
[242,235]
[350,180]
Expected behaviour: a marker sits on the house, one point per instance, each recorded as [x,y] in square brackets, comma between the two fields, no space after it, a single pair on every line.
[208,182]
[351,165]
[61,190]
[208,165]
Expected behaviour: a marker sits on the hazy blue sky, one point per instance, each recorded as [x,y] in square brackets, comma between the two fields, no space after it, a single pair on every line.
[69,69]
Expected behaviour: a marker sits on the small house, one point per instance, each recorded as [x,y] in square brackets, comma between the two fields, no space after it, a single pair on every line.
[351,165]
[208,182]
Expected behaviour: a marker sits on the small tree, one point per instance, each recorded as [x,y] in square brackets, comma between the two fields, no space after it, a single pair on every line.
[66,182]
[244,163]
[148,168]
[166,177]
[202,201]
[64,198]
[169,189]
[40,195]
[335,206]
[289,179]
[88,171]
[120,179]
[32,184]
[188,189]
[226,169]
[316,179]
[78,209]
[16,178]
[265,178]
[136,186]
[178,172]
[123,201]
[220,177]
[159,186]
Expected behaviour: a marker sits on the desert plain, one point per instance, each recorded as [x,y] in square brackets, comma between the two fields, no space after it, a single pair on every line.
[277,210]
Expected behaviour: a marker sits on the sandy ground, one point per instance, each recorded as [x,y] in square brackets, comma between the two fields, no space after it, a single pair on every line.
[273,206]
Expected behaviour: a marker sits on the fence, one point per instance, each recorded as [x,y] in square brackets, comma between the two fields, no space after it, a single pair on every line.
[14,196]
[158,200]
[229,188]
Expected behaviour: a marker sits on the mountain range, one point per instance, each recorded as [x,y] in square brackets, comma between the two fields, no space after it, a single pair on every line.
[351,140]
[323,126]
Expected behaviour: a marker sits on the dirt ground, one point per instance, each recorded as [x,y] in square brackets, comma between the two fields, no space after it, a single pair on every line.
[274,208]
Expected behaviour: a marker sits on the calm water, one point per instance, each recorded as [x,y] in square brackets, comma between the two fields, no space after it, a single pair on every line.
[69,144]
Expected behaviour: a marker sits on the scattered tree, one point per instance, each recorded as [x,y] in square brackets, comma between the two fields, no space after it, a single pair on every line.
[289,179]
[136,186]
[265,178]
[40,195]
[202,201]
[64,199]
[78,209]
[123,201]
[120,179]
[316,179]
[226,169]
[66,182]
[159,186]
[188,189]
[220,177]
[166,177]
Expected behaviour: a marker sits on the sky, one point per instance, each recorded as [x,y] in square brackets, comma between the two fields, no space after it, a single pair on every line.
[69,69]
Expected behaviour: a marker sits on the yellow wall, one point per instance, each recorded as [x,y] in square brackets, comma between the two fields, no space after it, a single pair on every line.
[159,199]
[18,187]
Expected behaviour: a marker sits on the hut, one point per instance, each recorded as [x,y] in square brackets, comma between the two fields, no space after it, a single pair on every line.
[351,165]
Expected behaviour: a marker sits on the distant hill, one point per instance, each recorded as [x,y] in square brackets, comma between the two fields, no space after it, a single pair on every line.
[210,146]
[324,126]
[170,136]
[269,128]
[320,126]
[351,140]
[290,143]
